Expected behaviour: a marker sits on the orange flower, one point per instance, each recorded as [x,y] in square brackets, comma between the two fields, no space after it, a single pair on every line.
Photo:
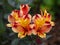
[20,20]
[43,24]
[22,23]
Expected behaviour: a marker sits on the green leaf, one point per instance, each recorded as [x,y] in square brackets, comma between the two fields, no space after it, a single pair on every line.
[43,7]
[2,27]
[58,2]
[15,42]
[49,2]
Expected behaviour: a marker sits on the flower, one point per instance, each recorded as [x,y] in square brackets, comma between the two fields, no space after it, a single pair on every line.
[20,20]
[24,24]
[43,24]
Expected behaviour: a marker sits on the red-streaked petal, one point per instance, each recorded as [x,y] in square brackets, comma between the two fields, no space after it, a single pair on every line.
[36,16]
[17,28]
[46,28]
[11,18]
[17,12]
[33,29]
[27,17]
[24,9]
[47,16]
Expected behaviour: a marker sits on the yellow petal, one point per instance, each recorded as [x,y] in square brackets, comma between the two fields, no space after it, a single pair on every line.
[21,34]
[42,35]
[15,15]
[9,25]
[52,24]
[45,13]
[26,21]
[23,22]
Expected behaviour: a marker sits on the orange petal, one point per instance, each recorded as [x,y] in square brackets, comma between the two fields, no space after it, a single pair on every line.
[29,32]
[33,29]
[11,18]
[46,28]
[17,28]
[34,32]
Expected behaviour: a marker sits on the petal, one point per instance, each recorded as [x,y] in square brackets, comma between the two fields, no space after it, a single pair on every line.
[46,28]
[36,16]
[45,13]
[34,32]
[29,32]
[15,14]
[28,16]
[9,25]
[24,9]
[52,23]
[25,21]
[33,29]
[42,35]
[17,28]
[21,34]
[11,18]
[47,16]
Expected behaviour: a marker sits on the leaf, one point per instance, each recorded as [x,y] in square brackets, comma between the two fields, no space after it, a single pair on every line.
[43,7]
[15,41]
[58,2]
[2,27]
[48,2]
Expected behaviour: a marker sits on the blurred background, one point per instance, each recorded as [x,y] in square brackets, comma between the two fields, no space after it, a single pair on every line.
[7,37]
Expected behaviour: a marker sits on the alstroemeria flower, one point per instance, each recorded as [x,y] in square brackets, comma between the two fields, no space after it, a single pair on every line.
[20,20]
[22,23]
[42,24]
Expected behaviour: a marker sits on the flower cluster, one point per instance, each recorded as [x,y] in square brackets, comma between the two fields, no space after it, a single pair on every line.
[24,24]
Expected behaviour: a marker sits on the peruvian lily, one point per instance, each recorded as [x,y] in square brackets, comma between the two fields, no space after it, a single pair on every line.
[42,24]
[22,23]
[20,20]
